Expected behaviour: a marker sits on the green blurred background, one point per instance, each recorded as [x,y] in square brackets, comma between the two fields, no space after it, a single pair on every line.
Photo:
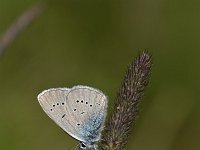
[91,42]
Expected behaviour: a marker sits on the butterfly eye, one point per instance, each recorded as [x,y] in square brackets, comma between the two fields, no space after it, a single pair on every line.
[83,146]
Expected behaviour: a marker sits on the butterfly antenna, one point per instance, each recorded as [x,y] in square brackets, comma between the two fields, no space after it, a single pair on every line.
[75,147]
[95,147]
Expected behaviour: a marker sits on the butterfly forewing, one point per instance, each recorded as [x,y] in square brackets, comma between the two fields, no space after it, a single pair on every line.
[53,102]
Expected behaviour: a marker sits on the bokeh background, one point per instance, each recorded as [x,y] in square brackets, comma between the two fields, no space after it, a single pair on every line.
[91,43]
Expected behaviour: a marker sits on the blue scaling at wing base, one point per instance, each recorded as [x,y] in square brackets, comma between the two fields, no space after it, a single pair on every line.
[91,128]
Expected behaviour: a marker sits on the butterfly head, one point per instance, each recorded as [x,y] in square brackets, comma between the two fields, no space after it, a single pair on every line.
[85,145]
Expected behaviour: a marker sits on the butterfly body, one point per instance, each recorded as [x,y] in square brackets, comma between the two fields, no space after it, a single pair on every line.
[79,111]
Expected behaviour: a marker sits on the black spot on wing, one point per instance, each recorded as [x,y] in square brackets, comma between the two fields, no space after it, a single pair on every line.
[63,115]
[82,112]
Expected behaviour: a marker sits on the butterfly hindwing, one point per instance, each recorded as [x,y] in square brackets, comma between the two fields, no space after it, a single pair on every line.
[89,110]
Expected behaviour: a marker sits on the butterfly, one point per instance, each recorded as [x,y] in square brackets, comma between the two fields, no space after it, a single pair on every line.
[80,111]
